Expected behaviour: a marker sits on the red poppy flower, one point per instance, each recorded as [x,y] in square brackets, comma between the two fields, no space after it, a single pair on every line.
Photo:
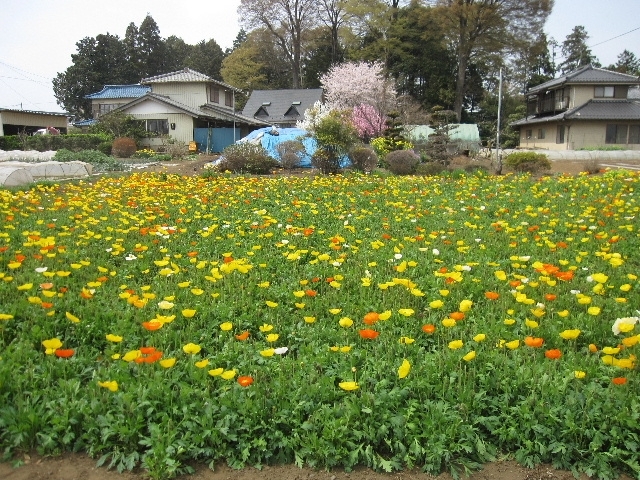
[492,295]
[371,318]
[429,328]
[245,380]
[368,334]
[616,380]
[64,352]
[553,354]
[534,342]
[243,336]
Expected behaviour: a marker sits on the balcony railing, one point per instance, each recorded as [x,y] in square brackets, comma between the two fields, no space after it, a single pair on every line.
[547,105]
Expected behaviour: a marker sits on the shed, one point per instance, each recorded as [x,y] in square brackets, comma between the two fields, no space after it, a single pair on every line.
[13,121]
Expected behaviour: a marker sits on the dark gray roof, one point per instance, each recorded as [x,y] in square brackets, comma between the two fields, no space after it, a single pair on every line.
[205,111]
[281,106]
[616,110]
[185,75]
[589,75]
[120,91]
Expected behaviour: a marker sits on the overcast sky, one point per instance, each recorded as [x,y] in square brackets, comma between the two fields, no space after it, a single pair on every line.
[37,37]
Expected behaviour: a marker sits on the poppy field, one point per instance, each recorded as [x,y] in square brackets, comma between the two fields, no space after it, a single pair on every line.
[329,321]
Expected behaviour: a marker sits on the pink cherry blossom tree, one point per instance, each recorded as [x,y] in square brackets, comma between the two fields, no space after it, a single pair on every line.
[367,121]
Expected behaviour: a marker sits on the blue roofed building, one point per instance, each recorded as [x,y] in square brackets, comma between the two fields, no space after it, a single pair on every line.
[114,96]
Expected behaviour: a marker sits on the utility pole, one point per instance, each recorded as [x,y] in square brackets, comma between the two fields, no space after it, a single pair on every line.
[498,157]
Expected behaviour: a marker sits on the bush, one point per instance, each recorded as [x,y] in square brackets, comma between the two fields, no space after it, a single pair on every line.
[246,158]
[10,142]
[591,166]
[290,153]
[402,162]
[123,147]
[105,147]
[430,169]
[531,162]
[325,161]
[363,158]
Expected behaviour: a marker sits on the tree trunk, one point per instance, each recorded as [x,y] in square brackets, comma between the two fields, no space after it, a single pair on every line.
[463,60]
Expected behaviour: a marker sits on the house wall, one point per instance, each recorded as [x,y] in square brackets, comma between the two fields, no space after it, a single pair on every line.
[578,135]
[183,132]
[191,94]
[581,94]
[118,102]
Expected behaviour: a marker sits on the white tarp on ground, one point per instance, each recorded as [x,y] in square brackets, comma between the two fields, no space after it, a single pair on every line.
[29,155]
[21,168]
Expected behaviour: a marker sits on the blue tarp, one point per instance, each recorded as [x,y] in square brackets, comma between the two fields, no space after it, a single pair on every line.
[270,142]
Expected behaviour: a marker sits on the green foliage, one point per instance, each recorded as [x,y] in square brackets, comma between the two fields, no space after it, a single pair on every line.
[393,135]
[530,162]
[105,147]
[43,143]
[100,161]
[363,158]
[429,168]
[335,135]
[246,158]
[123,147]
[290,153]
[10,142]
[603,148]
[402,162]
[118,124]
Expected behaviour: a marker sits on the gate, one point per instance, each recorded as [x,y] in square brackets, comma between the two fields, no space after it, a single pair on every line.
[212,140]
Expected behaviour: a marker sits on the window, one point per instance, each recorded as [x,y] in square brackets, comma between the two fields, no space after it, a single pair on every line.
[560,134]
[161,127]
[634,134]
[604,92]
[616,133]
[215,95]
[228,98]
[541,133]
[106,108]
[529,134]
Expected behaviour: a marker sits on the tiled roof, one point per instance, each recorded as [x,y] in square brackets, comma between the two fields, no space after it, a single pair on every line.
[208,111]
[184,76]
[587,74]
[120,91]
[276,103]
[623,110]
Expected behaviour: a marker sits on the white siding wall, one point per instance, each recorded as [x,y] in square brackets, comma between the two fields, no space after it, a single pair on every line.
[190,94]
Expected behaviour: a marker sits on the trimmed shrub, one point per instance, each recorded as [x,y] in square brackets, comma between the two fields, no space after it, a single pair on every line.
[105,147]
[363,158]
[402,162]
[123,147]
[246,158]
[11,142]
[290,153]
[528,162]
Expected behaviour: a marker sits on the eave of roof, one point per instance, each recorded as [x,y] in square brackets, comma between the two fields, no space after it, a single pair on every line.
[596,110]
[587,74]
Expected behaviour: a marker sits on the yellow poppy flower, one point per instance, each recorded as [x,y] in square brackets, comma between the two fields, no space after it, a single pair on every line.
[191,348]
[469,356]
[202,363]
[265,327]
[226,326]
[216,371]
[349,386]
[113,338]
[570,334]
[345,322]
[110,385]
[228,375]
[272,337]
[404,369]
[72,317]
[168,362]
[268,352]
[456,344]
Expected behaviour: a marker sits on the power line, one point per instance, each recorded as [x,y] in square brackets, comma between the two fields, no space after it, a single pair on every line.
[613,38]
[27,80]
[23,71]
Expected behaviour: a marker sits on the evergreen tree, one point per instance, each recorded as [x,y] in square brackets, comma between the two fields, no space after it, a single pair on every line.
[151,49]
[206,57]
[627,63]
[576,52]
[132,57]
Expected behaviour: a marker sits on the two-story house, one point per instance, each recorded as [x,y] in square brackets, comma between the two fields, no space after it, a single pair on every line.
[589,107]
[114,96]
[187,106]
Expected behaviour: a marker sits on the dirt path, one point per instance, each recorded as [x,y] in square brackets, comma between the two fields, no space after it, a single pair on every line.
[80,467]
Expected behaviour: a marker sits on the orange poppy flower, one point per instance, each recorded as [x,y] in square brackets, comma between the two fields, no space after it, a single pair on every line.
[228,259]
[553,354]
[46,286]
[310,293]
[368,334]
[386,236]
[492,295]
[152,325]
[457,316]
[147,350]
[192,254]
[63,289]
[20,258]
[534,342]
[550,297]
[593,348]
[329,279]
[515,283]
[102,279]
[243,336]
[46,304]
[371,318]
[245,380]
[64,352]
[429,328]
[443,270]
[616,380]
